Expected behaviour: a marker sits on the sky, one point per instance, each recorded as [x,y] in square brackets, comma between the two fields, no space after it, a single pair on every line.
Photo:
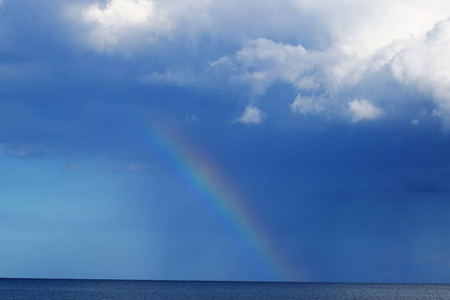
[293,140]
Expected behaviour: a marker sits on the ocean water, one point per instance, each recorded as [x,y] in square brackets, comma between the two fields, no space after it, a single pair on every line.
[123,289]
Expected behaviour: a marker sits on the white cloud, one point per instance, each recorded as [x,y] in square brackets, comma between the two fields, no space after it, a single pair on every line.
[119,22]
[358,27]
[363,109]
[362,27]
[262,62]
[425,65]
[305,105]
[127,25]
[252,115]
[330,50]
[417,60]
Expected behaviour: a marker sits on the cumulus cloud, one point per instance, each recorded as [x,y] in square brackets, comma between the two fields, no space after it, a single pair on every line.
[126,25]
[317,23]
[305,105]
[119,22]
[363,27]
[263,62]
[363,110]
[424,65]
[251,115]
[329,50]
[418,62]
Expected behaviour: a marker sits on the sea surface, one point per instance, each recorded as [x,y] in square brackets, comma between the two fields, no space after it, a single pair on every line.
[133,289]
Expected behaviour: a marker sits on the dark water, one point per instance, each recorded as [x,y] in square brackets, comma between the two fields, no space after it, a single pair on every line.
[118,289]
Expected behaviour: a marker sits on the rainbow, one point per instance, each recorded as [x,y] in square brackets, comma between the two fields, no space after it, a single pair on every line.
[202,176]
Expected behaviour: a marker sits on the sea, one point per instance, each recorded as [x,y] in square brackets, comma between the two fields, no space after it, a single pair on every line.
[149,289]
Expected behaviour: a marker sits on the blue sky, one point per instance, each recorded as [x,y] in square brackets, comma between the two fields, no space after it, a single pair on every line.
[330,120]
